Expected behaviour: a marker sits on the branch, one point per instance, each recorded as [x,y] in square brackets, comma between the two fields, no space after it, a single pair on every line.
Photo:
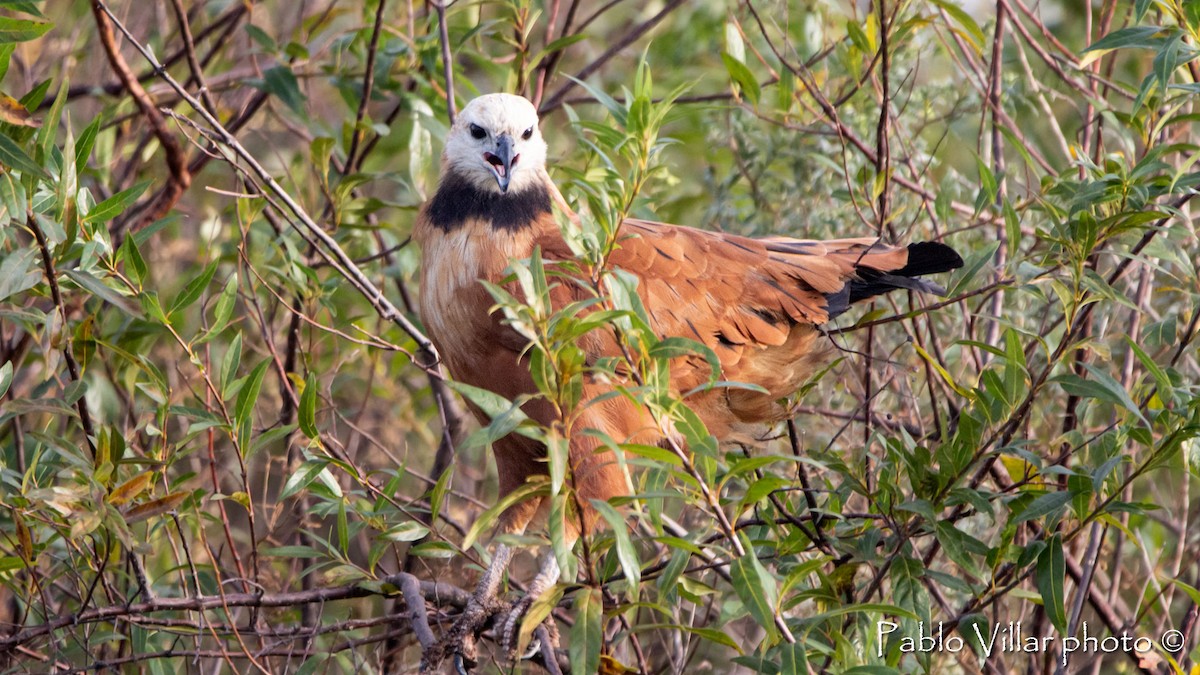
[439,593]
[556,100]
[368,85]
[85,417]
[447,59]
[180,178]
[333,252]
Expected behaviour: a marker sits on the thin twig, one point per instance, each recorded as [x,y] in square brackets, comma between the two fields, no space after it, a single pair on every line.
[337,257]
[85,417]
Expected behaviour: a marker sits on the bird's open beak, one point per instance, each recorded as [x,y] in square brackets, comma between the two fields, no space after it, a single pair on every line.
[502,161]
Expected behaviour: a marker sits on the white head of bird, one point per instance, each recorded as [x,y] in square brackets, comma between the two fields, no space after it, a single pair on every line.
[496,145]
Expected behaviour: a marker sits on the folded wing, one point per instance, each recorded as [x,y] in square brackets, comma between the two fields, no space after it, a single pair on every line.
[756,302]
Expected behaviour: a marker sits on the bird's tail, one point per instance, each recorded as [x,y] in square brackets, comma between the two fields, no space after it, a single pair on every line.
[924,257]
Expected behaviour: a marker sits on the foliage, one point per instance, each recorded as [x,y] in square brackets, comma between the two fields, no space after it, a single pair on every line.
[221,445]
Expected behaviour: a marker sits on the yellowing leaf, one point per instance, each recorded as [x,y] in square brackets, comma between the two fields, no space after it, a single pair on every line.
[127,491]
[14,113]
[155,507]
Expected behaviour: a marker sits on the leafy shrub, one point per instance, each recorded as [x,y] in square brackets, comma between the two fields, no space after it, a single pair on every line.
[222,444]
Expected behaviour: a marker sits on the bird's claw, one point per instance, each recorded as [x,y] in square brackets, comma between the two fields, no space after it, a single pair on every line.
[459,643]
[510,633]
[461,666]
[512,624]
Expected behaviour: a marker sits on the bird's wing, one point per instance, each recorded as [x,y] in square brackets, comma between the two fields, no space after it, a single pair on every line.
[727,289]
[730,292]
[754,302]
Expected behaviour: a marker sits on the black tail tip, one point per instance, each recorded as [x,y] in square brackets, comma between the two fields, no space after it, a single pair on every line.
[929,257]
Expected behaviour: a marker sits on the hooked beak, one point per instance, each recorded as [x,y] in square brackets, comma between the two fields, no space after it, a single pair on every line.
[502,161]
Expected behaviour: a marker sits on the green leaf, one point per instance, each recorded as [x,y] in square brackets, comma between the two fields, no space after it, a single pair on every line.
[792,659]
[1101,387]
[763,487]
[908,589]
[281,82]
[1051,569]
[22,30]
[438,494]
[116,204]
[100,290]
[1138,37]
[959,546]
[1161,380]
[224,308]
[230,364]
[294,551]
[308,407]
[85,143]
[973,32]
[942,372]
[859,37]
[135,264]
[532,488]
[19,272]
[13,157]
[6,373]
[6,52]
[1043,505]
[408,531]
[586,634]
[626,554]
[741,75]
[248,396]
[303,476]
[491,403]
[756,588]
[23,6]
[1014,366]
[195,288]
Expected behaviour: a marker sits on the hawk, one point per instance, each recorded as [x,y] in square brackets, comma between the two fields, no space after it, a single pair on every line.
[756,303]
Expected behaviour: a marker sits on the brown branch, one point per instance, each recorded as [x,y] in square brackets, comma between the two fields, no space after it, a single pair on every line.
[189,49]
[226,24]
[368,86]
[328,246]
[447,58]
[85,417]
[439,593]
[556,99]
[180,178]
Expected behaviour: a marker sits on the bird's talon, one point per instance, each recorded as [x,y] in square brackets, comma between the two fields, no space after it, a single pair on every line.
[509,636]
[460,666]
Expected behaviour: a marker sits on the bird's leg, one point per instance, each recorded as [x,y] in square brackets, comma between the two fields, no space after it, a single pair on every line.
[547,576]
[461,640]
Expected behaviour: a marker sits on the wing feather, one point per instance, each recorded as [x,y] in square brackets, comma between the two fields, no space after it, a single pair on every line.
[754,302]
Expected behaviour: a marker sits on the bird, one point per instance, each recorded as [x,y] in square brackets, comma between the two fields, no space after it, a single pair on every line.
[756,303]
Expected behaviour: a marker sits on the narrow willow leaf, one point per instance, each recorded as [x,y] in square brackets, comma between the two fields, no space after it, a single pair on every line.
[630,564]
[1043,505]
[586,634]
[195,288]
[308,407]
[116,204]
[22,30]
[756,588]
[1051,569]
[12,156]
[130,489]
[248,396]
[303,476]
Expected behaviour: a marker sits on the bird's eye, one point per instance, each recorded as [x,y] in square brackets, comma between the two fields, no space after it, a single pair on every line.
[477,131]
[528,133]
